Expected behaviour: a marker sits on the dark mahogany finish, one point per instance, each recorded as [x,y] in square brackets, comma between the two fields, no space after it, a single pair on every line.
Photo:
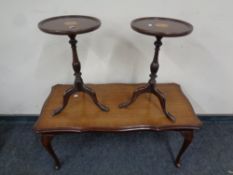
[46,142]
[144,114]
[158,27]
[188,138]
[71,26]
[161,27]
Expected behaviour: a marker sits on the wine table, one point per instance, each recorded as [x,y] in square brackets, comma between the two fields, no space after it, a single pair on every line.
[71,26]
[159,28]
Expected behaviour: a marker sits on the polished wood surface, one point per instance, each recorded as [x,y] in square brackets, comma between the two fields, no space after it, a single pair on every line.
[69,25]
[163,27]
[144,114]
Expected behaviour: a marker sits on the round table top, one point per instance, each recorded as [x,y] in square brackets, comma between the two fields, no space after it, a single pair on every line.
[69,25]
[162,27]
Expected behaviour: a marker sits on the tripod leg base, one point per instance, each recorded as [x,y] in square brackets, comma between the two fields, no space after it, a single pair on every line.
[66,97]
[135,95]
[93,96]
[162,101]
[150,88]
[79,88]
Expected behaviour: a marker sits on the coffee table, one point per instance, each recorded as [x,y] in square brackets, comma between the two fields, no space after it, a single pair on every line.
[72,26]
[159,28]
[144,114]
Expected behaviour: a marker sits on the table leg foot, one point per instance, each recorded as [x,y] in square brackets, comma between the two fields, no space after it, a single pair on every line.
[57,111]
[162,101]
[56,167]
[188,137]
[46,142]
[135,95]
[93,96]
[178,165]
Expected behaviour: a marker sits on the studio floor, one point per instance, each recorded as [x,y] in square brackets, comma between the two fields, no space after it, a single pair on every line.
[132,153]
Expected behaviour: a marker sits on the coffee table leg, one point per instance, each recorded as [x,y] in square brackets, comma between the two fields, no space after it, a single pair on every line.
[46,142]
[188,137]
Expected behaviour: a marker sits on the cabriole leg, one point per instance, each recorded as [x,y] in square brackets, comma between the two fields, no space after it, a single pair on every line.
[188,137]
[46,142]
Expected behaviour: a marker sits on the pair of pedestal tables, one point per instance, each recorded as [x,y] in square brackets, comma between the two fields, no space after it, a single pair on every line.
[64,112]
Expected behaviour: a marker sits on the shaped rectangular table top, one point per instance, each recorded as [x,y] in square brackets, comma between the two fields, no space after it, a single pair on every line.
[81,114]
